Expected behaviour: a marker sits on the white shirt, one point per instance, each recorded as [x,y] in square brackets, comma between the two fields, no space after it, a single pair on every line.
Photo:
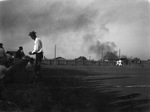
[37,46]
[119,63]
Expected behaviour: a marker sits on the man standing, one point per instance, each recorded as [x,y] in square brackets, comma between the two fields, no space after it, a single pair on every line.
[38,51]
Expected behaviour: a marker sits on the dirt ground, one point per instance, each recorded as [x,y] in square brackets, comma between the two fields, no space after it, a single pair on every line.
[78,89]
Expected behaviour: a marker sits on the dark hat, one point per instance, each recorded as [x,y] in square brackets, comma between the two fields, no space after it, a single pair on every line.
[21,47]
[33,33]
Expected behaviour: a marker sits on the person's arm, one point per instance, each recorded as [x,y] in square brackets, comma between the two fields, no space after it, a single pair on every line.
[4,71]
[3,53]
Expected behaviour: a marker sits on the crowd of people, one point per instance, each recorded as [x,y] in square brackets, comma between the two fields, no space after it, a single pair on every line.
[7,59]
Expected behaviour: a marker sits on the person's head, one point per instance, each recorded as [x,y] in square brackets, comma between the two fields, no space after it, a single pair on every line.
[1,45]
[32,35]
[20,48]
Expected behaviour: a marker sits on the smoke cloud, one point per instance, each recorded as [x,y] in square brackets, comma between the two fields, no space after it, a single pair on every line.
[76,27]
[49,19]
[102,48]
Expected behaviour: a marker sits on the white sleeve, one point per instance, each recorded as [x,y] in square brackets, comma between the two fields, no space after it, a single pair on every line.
[35,49]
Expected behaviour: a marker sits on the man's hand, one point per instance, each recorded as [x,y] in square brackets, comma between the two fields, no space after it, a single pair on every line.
[30,53]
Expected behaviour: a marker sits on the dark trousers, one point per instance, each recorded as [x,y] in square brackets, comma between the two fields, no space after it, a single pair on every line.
[38,60]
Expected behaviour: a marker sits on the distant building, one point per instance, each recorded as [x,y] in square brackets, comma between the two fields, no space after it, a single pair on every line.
[59,58]
[81,58]
[148,60]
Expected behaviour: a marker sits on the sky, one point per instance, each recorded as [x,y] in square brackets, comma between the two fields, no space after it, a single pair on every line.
[87,28]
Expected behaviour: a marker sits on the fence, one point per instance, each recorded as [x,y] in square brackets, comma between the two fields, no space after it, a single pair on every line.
[72,62]
[89,63]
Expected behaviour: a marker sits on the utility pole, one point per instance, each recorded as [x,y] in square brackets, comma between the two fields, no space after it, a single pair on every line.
[55,52]
[102,53]
[119,52]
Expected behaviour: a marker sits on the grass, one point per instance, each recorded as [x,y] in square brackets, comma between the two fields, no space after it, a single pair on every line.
[62,90]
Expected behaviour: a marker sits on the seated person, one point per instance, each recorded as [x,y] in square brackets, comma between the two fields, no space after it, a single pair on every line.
[3,56]
[20,53]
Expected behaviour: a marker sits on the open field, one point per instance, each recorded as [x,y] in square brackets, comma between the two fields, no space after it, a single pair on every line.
[81,89]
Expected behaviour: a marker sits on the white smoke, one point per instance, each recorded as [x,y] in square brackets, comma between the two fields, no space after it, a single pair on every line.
[75,26]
